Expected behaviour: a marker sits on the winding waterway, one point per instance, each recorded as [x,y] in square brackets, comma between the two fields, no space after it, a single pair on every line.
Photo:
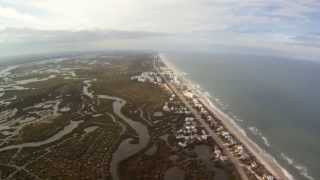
[66,130]
[126,149]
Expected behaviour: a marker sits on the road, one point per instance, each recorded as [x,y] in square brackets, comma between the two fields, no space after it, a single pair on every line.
[211,133]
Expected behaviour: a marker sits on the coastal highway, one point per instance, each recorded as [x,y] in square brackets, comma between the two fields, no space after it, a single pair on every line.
[211,133]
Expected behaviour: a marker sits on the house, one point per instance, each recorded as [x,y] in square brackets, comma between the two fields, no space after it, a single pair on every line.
[165,107]
[244,156]
[188,94]
[239,149]
[253,164]
[225,134]
[182,144]
[147,77]
[220,128]
[267,177]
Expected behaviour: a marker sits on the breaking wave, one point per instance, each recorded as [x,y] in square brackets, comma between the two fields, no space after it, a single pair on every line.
[303,170]
[215,101]
[256,132]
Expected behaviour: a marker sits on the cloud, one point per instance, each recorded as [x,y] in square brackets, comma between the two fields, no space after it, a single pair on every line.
[312,40]
[158,15]
[12,17]
[250,23]
[173,16]
[49,36]
[15,41]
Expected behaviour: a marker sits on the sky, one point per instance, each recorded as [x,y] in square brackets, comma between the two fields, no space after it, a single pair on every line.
[279,27]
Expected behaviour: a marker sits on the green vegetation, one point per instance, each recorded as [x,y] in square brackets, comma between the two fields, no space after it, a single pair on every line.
[86,151]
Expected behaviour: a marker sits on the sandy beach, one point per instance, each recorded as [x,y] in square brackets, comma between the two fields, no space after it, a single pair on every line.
[261,155]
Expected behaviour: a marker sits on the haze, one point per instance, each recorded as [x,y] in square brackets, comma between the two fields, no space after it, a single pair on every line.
[277,27]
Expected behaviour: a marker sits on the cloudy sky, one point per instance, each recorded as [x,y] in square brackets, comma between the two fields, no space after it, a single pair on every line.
[285,27]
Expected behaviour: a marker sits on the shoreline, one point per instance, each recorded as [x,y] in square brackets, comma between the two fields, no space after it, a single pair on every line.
[267,160]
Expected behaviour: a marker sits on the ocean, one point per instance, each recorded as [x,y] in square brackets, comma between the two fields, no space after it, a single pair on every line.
[275,100]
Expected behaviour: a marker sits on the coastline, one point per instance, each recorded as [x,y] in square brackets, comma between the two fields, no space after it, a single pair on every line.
[268,161]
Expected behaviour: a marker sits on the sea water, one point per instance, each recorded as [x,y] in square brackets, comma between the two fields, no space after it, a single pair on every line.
[275,100]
